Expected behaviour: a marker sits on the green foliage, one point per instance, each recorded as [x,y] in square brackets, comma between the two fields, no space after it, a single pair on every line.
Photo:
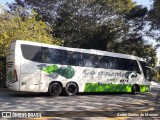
[1,65]
[122,6]
[154,15]
[112,25]
[136,12]
[137,46]
[156,76]
[13,27]
[91,24]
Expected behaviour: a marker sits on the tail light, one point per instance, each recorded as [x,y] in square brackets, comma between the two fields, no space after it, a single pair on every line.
[15,78]
[9,64]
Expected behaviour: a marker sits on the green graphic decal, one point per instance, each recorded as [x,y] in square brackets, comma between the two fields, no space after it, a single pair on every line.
[10,76]
[144,88]
[50,69]
[67,72]
[94,87]
[130,74]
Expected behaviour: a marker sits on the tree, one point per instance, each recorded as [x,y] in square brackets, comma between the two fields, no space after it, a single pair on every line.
[112,25]
[154,18]
[154,15]
[13,27]
[91,24]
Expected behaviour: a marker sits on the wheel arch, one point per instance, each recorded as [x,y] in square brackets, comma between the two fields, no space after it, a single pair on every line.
[73,87]
[57,82]
[73,82]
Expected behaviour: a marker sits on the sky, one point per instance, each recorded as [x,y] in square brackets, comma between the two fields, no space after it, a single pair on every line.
[143,2]
[2,2]
[146,3]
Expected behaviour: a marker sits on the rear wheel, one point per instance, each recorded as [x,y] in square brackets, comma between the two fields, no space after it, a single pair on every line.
[55,89]
[71,89]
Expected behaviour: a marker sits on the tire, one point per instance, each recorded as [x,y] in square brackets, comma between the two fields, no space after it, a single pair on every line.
[71,89]
[134,91]
[55,89]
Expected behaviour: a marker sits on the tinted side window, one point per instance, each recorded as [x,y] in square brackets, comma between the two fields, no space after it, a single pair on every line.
[31,52]
[107,62]
[98,62]
[45,55]
[89,60]
[133,66]
[63,57]
[57,56]
[73,58]
[118,63]
[81,59]
[127,64]
[86,61]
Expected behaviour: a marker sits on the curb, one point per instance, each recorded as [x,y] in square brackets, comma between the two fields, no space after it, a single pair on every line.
[4,89]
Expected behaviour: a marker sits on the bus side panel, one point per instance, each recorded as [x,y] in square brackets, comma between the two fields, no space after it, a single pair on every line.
[105,80]
[30,76]
[45,81]
[89,79]
[61,73]
[47,77]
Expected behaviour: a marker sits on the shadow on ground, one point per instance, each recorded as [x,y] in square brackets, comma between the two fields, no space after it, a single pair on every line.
[31,94]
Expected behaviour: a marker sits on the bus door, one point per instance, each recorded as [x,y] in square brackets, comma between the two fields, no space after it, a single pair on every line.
[46,67]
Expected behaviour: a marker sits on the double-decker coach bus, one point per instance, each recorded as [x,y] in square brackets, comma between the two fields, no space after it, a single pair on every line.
[38,67]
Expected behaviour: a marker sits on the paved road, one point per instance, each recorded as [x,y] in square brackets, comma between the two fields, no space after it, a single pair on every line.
[106,103]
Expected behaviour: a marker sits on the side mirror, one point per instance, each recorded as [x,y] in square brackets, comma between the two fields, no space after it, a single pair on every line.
[149,73]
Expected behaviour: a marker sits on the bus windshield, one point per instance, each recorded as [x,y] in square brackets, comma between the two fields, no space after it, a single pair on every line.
[146,70]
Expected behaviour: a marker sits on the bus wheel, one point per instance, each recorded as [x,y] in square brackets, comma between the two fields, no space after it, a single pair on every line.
[134,90]
[55,89]
[71,89]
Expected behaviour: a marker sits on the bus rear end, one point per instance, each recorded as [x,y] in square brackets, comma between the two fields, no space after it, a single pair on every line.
[12,68]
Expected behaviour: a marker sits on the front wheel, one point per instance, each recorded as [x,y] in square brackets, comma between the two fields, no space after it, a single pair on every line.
[71,89]
[133,92]
[55,89]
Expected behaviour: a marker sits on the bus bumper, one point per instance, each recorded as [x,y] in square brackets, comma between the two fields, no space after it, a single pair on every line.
[13,86]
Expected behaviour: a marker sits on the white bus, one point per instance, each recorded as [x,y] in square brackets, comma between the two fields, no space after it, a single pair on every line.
[38,67]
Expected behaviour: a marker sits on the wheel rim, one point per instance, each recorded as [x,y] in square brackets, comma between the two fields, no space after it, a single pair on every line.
[55,89]
[71,89]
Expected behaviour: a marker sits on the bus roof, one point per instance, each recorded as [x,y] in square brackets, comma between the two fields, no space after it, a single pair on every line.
[91,51]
